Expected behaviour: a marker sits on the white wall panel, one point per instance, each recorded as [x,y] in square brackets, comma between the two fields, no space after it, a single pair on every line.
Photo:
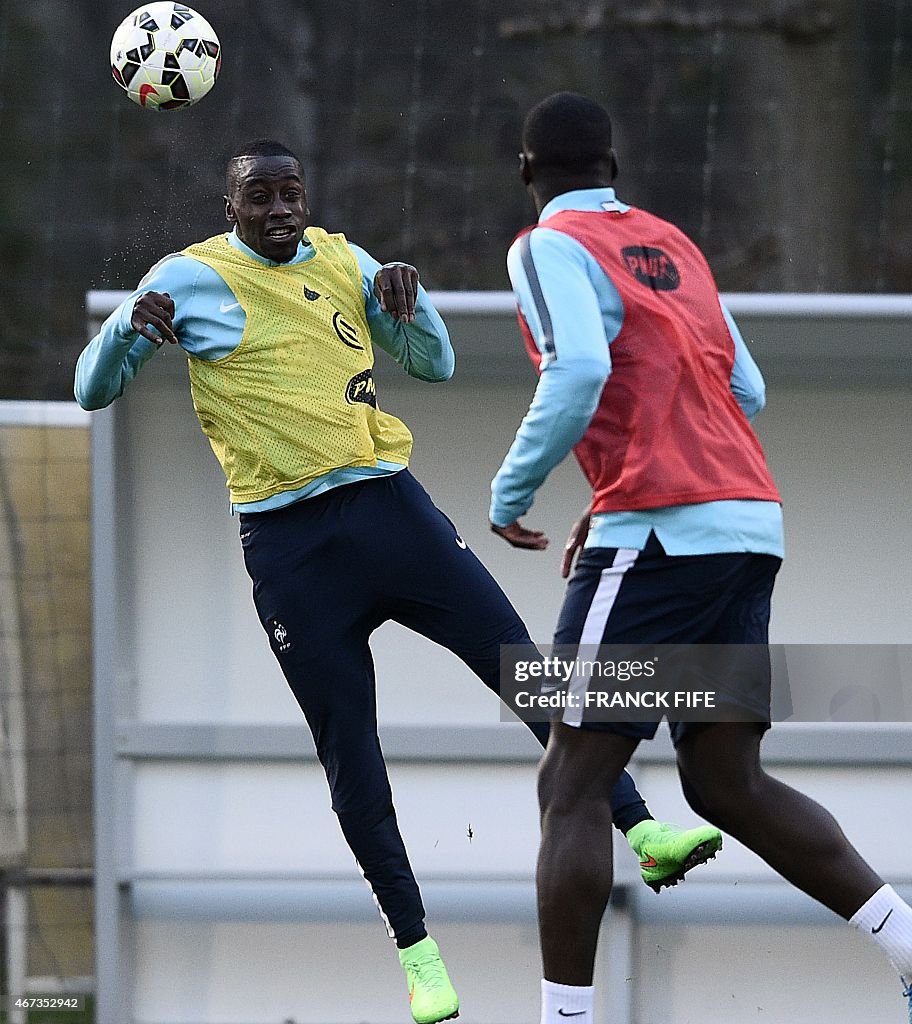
[263,974]
[189,650]
[277,818]
[260,974]
[768,974]
[200,654]
[863,801]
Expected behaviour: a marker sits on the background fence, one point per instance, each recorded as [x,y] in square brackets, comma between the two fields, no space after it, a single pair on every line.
[46,829]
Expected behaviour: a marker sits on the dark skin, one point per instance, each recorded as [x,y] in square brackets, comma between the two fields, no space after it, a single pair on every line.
[724,782]
[719,767]
[267,205]
[543,184]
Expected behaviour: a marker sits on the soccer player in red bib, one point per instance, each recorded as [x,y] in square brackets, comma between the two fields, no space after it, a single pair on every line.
[644,375]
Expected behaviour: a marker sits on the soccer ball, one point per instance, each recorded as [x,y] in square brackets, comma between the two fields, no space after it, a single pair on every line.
[165,56]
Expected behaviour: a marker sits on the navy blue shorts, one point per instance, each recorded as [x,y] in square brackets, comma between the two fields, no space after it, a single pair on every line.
[625,596]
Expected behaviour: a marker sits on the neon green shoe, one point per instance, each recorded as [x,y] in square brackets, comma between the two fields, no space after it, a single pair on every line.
[666,852]
[431,995]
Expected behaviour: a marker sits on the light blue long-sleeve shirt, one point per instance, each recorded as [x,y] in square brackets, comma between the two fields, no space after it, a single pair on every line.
[209,323]
[574,313]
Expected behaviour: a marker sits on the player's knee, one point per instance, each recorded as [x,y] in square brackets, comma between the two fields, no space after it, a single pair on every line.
[713,805]
[721,796]
[572,773]
[555,793]
[548,788]
[694,800]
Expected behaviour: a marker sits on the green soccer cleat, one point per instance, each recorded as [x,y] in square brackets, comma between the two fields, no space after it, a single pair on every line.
[431,995]
[666,852]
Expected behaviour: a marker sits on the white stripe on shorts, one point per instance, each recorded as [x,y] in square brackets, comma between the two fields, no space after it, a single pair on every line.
[594,627]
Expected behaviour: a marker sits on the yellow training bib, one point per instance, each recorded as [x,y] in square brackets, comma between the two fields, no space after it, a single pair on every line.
[296,398]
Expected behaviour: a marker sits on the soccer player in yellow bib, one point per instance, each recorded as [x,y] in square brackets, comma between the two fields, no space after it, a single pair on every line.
[278,320]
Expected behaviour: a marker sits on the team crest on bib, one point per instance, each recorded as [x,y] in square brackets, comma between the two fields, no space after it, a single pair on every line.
[345,332]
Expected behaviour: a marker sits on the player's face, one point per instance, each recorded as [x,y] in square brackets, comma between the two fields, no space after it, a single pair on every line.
[268,205]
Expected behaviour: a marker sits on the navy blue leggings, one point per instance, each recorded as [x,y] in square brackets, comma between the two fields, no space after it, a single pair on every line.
[326,573]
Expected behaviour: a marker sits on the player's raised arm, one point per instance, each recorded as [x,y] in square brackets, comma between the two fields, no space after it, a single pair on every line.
[131,335]
[402,319]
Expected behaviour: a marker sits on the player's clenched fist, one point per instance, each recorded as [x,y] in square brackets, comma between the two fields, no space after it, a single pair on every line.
[154,309]
[396,288]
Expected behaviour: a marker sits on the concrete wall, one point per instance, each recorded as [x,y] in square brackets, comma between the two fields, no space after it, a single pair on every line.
[209,848]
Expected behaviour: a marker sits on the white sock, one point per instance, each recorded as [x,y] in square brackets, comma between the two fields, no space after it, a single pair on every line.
[566,1004]
[888,922]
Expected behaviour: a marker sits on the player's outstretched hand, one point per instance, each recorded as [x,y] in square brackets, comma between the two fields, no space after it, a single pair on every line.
[155,309]
[396,288]
[578,534]
[519,537]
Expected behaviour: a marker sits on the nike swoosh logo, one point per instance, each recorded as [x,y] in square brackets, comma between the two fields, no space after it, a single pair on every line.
[576,1013]
[874,931]
[650,862]
[226,307]
[461,542]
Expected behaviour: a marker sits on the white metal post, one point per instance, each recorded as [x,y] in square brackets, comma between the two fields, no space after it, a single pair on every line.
[16,947]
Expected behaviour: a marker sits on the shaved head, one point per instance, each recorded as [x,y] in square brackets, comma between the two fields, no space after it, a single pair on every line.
[568,132]
[250,151]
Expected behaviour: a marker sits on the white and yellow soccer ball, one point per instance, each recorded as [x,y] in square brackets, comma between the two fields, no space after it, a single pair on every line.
[165,56]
